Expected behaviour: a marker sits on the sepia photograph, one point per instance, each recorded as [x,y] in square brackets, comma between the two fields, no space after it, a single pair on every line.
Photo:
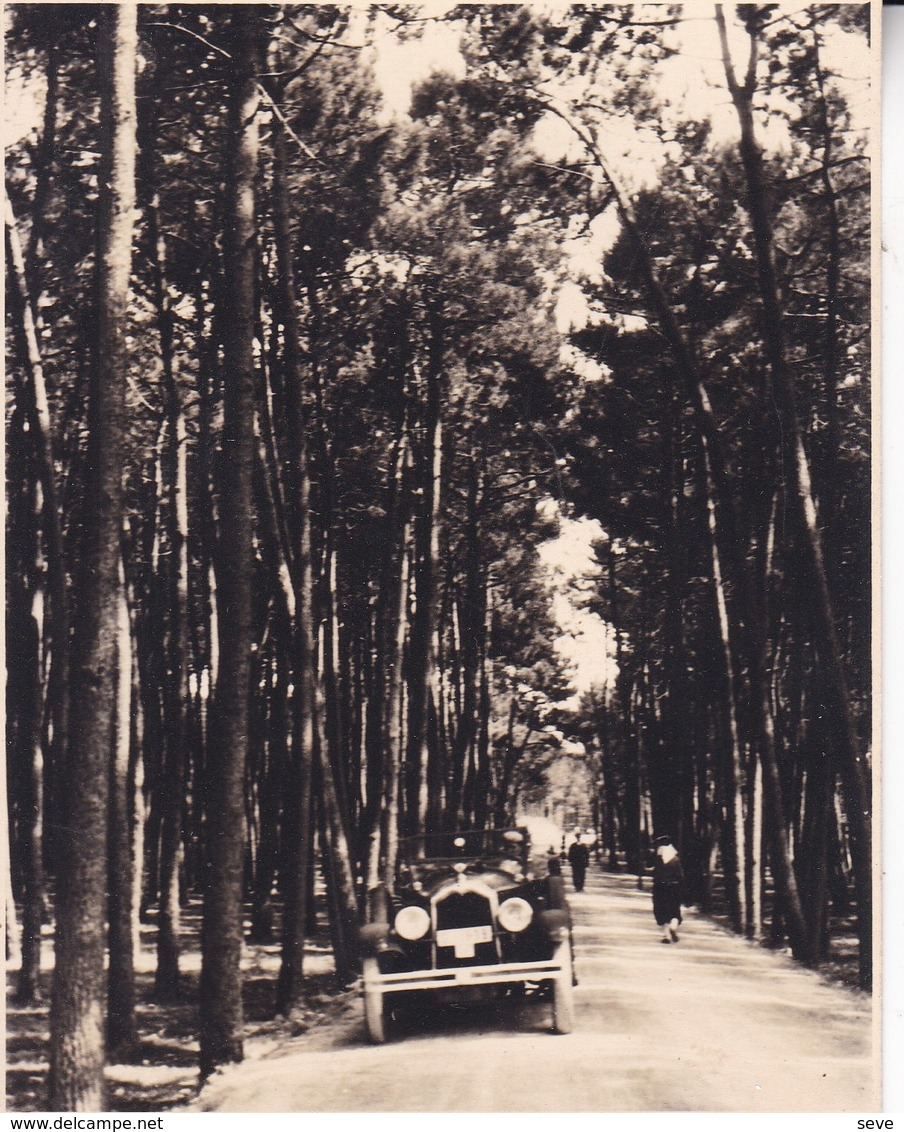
[441,547]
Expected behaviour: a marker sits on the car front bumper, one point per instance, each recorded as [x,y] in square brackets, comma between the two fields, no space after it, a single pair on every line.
[466,976]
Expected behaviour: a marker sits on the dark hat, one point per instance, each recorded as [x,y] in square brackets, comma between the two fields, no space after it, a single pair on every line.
[664,839]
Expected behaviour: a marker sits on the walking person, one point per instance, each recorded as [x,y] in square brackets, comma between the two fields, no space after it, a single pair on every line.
[668,883]
[579,858]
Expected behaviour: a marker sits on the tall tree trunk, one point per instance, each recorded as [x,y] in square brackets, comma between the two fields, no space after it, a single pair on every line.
[755,866]
[205,620]
[474,632]
[28,987]
[629,734]
[122,1031]
[827,484]
[175,691]
[77,1013]
[141,579]
[483,780]
[672,736]
[395,717]
[422,653]
[274,776]
[25,593]
[734,849]
[44,157]
[384,657]
[340,876]
[13,937]
[335,715]
[611,793]
[221,982]
[36,409]
[139,805]
[472,618]
[337,846]
[298,826]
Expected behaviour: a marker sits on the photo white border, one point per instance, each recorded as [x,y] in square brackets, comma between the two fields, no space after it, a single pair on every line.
[892,541]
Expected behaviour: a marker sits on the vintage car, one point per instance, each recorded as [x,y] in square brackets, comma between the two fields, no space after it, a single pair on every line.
[467,921]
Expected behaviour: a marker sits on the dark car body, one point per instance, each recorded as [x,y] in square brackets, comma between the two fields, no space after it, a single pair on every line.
[466,919]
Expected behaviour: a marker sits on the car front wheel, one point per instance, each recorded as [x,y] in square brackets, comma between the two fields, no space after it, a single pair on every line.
[376,1016]
[563,991]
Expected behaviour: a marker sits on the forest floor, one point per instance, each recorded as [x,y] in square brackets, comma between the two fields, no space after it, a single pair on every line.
[163,1075]
[715,1023]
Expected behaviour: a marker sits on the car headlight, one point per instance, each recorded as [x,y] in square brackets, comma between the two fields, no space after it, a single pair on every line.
[515,914]
[412,922]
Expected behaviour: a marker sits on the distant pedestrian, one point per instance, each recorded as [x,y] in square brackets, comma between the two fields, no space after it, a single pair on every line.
[668,883]
[579,857]
[553,863]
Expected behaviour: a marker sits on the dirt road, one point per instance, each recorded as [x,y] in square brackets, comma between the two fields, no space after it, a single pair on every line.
[711,1024]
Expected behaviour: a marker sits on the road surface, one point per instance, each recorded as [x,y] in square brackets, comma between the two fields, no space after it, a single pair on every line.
[711,1024]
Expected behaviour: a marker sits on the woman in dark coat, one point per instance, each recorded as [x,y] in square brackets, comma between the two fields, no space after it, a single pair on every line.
[668,883]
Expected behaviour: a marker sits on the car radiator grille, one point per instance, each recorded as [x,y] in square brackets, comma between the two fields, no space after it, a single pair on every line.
[465,915]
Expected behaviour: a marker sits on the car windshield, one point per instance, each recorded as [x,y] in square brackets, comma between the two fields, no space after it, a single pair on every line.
[464,845]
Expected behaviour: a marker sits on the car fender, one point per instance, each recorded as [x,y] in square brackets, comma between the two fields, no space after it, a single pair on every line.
[556,890]
[555,923]
[373,937]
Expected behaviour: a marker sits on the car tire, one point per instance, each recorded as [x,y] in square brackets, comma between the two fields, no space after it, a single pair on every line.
[563,991]
[376,1016]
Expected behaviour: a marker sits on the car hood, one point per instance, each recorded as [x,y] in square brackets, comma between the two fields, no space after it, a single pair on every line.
[432,878]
